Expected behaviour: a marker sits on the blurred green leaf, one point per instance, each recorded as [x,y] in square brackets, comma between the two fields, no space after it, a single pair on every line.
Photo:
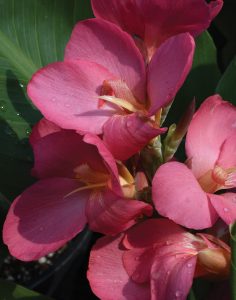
[202,80]
[33,33]
[226,24]
[4,206]
[233,260]
[191,295]
[200,289]
[226,85]
[12,291]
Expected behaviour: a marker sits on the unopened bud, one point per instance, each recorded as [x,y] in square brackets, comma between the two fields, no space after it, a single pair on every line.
[177,132]
[215,262]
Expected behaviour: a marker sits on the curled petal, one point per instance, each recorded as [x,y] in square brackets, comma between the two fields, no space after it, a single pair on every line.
[225,205]
[168,69]
[177,195]
[159,231]
[227,157]
[215,7]
[60,153]
[91,41]
[212,124]
[42,218]
[110,214]
[127,135]
[67,94]
[42,129]
[107,275]
[172,276]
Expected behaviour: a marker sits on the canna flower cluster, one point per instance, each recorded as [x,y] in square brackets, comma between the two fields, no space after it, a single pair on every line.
[100,154]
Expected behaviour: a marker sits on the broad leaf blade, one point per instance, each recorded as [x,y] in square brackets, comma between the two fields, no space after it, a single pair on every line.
[12,291]
[33,33]
[226,85]
[233,260]
[4,206]
[202,80]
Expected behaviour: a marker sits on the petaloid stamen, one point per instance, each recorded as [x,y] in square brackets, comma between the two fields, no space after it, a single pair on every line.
[121,103]
[87,187]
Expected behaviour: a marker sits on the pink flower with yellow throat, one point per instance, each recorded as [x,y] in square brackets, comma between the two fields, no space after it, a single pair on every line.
[156,259]
[79,183]
[103,86]
[185,193]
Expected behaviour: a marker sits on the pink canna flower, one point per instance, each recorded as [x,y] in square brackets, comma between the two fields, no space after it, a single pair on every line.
[103,86]
[78,183]
[151,22]
[158,265]
[185,192]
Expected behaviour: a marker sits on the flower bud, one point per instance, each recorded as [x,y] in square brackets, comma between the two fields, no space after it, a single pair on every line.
[214,262]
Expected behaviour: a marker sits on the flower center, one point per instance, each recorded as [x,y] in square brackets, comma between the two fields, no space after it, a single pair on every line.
[91,178]
[218,179]
[96,180]
[118,93]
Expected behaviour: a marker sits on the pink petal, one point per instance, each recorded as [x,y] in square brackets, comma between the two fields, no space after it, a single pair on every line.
[168,18]
[168,245]
[141,181]
[177,195]
[168,69]
[91,40]
[108,161]
[159,230]
[215,7]
[125,13]
[67,94]
[60,153]
[107,275]
[110,214]
[225,205]
[227,157]
[212,124]
[138,263]
[41,219]
[41,129]
[172,276]
[156,20]
[127,135]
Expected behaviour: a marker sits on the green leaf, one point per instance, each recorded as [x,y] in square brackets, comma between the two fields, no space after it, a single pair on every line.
[33,33]
[202,80]
[4,206]
[200,289]
[191,295]
[226,24]
[233,260]
[226,85]
[12,291]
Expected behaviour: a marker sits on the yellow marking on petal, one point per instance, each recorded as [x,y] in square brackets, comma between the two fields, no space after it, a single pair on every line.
[207,183]
[87,187]
[219,175]
[158,117]
[89,176]
[217,179]
[121,103]
[125,173]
